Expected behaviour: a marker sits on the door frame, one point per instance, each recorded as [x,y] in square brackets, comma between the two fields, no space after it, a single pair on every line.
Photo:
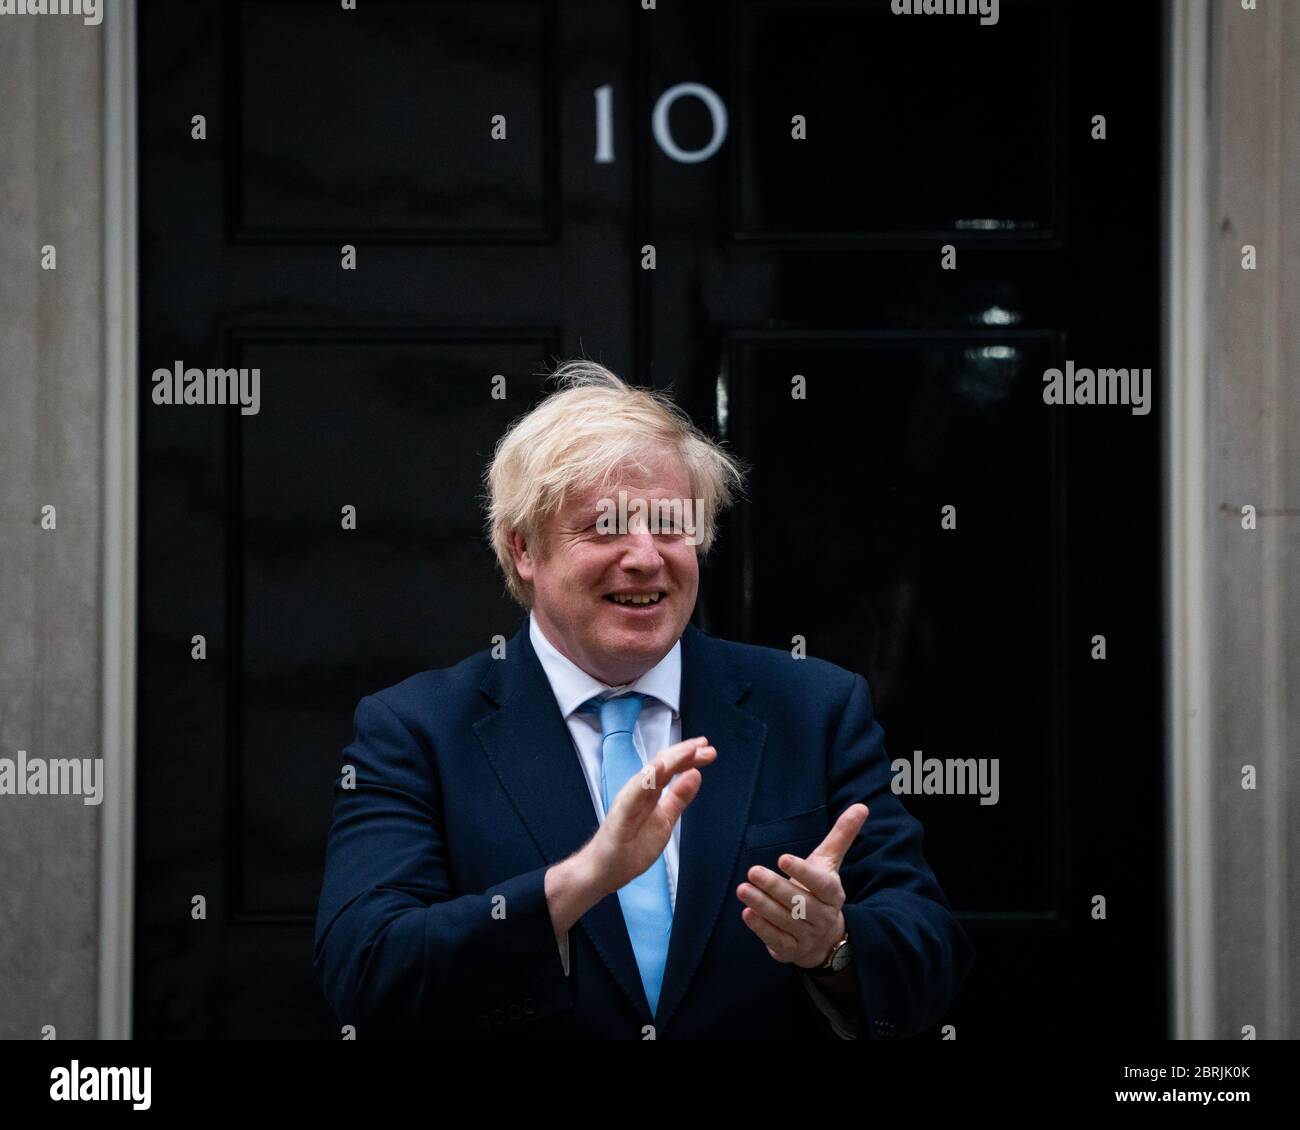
[1188,339]
[118,549]
[1187,334]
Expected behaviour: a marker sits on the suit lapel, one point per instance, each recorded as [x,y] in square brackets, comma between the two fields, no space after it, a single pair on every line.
[531,751]
[715,820]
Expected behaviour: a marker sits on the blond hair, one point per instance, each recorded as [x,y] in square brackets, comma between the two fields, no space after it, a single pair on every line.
[593,425]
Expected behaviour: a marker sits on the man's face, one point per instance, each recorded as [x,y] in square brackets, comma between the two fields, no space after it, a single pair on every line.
[584,569]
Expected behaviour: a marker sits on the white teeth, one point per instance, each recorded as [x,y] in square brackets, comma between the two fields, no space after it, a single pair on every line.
[624,598]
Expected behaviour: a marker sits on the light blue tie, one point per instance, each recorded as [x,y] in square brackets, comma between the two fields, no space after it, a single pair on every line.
[647,906]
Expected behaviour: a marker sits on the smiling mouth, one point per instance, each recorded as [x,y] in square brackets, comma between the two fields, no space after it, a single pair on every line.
[641,599]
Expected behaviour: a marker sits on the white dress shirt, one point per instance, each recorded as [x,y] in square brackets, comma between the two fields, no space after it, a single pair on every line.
[658,726]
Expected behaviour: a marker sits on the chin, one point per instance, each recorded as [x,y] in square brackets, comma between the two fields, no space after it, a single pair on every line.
[635,641]
[629,639]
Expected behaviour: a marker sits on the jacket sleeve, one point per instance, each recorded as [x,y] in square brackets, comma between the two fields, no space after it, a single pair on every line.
[846,1025]
[910,953]
[398,952]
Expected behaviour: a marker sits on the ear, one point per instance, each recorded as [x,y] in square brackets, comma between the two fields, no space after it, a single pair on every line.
[523,557]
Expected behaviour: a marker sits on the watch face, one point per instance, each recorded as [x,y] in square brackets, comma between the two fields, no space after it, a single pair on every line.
[841,959]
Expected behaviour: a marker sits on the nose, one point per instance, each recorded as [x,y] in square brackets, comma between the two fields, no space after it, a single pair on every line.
[640,551]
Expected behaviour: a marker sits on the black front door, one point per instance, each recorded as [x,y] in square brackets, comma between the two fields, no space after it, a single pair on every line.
[399,215]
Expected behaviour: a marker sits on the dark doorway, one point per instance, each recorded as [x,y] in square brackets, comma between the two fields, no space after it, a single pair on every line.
[478,261]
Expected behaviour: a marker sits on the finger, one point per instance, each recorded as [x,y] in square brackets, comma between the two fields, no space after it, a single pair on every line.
[840,838]
[777,940]
[644,788]
[781,915]
[785,892]
[684,755]
[823,881]
[679,794]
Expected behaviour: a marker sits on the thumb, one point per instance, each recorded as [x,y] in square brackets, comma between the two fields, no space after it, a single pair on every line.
[840,838]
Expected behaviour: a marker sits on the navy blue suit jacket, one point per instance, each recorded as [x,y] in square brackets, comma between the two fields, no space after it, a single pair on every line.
[433,918]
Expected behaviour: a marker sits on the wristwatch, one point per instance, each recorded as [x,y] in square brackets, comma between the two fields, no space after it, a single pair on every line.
[841,954]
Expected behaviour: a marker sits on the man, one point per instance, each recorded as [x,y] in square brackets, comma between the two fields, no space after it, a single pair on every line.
[619,826]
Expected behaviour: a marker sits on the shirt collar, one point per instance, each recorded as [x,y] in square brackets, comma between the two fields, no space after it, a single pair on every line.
[572,685]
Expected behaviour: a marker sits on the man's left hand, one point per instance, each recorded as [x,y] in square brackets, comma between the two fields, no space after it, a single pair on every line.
[800,918]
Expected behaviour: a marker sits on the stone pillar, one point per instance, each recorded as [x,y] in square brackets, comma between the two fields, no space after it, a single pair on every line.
[1253,459]
[52,348]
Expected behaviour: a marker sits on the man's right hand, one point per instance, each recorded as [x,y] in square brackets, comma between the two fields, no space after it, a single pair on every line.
[641,819]
[634,834]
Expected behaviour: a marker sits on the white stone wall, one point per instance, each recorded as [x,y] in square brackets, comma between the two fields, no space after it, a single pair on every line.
[1253,458]
[51,378]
